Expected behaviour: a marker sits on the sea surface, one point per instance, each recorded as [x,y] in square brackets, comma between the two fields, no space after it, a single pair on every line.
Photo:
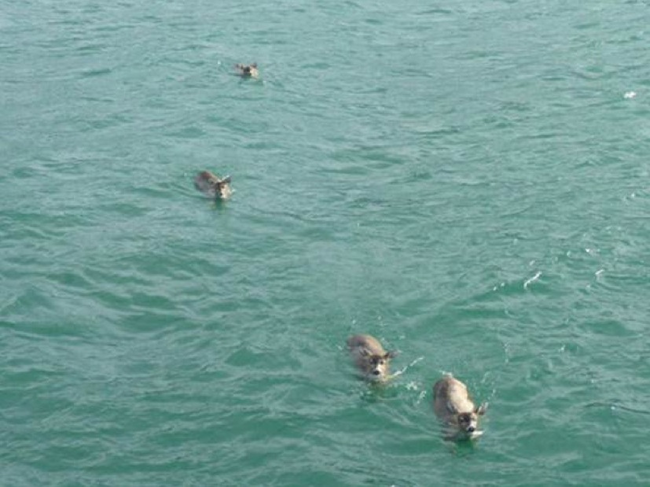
[467,181]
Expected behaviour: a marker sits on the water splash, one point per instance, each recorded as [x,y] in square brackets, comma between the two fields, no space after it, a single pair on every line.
[532,279]
[406,367]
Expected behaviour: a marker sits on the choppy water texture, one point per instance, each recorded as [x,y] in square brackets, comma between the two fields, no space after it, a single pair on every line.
[467,181]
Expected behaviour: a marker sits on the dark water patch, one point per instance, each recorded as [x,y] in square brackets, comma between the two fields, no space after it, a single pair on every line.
[610,328]
[436,11]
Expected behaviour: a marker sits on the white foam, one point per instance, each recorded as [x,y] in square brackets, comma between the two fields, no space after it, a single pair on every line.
[532,279]
[412,386]
[400,372]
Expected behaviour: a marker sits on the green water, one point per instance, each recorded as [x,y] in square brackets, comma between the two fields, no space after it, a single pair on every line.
[467,181]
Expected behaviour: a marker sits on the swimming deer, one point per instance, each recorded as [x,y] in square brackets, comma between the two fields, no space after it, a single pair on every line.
[453,405]
[370,357]
[213,186]
[248,70]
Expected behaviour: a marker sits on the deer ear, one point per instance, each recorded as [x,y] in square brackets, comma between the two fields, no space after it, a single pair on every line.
[481,409]
[391,354]
[227,179]
[450,407]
